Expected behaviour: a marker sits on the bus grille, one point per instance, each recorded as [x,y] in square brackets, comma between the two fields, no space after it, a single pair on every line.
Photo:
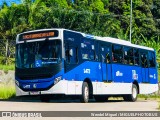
[35,77]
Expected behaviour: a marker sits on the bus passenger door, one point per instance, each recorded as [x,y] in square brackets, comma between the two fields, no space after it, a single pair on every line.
[106,63]
[144,65]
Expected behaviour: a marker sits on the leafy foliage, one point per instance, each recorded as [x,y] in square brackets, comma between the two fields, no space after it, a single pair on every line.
[98,17]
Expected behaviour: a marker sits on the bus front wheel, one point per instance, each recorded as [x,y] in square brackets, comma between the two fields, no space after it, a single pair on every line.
[44,98]
[84,98]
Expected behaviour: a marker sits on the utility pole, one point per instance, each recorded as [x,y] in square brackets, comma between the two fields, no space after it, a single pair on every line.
[6,54]
[130,37]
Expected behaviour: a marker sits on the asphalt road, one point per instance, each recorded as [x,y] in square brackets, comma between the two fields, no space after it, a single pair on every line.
[75,105]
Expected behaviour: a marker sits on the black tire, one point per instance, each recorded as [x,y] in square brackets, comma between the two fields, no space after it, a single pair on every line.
[125,97]
[84,98]
[100,98]
[132,97]
[44,98]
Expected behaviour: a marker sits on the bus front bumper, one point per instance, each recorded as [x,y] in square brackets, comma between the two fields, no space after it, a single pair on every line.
[62,87]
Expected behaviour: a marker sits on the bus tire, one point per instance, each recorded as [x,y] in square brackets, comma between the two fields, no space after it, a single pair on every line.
[44,98]
[100,98]
[132,97]
[84,97]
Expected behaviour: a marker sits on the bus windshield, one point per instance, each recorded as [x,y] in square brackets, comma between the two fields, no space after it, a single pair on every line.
[38,54]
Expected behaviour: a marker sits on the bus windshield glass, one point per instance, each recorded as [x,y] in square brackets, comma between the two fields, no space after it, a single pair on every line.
[38,54]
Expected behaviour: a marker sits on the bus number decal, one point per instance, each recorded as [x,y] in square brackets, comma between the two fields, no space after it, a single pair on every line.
[87,71]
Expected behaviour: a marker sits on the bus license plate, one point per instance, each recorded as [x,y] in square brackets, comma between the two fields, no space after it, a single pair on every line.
[35,93]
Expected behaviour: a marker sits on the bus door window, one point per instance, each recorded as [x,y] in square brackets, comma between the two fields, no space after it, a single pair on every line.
[71,54]
[103,58]
[105,53]
[67,56]
[108,60]
[108,54]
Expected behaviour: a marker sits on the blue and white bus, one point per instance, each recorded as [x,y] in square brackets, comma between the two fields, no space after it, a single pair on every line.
[65,62]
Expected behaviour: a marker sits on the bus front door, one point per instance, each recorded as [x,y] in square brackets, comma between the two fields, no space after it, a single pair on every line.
[106,63]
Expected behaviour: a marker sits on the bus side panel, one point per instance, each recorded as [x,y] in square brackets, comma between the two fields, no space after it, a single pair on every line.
[153,76]
[145,75]
[91,70]
[126,74]
[147,88]
[113,88]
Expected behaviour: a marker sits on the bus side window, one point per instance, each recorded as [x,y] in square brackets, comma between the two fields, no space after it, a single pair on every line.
[136,56]
[128,55]
[144,62]
[152,59]
[88,54]
[117,53]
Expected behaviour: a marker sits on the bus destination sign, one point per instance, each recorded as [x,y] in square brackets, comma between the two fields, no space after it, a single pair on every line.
[38,35]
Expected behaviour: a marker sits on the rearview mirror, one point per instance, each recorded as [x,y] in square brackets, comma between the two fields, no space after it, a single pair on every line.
[71,52]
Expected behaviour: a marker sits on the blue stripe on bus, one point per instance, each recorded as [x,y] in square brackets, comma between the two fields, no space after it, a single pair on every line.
[116,73]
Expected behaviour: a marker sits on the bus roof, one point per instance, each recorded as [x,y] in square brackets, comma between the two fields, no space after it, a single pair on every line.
[113,40]
[106,39]
[122,42]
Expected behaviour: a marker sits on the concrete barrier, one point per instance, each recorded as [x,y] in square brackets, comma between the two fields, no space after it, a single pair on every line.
[7,78]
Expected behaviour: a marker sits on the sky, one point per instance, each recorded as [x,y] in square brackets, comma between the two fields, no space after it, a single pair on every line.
[10,1]
[15,1]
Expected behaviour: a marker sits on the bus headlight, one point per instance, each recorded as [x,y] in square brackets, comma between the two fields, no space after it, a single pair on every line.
[17,83]
[56,80]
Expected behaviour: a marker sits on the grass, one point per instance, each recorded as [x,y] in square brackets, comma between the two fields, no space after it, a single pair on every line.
[7,67]
[152,96]
[7,92]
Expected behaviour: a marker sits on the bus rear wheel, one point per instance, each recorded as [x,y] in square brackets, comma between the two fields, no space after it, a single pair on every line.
[132,97]
[84,98]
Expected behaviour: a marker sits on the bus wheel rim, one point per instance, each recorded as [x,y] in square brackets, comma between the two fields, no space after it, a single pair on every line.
[86,93]
[134,93]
